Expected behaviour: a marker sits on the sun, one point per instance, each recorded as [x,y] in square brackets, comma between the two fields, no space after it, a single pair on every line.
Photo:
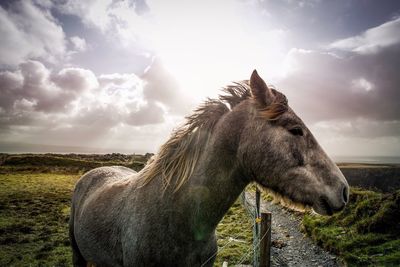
[204,51]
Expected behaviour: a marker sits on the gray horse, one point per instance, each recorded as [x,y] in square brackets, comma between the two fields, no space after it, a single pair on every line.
[166,214]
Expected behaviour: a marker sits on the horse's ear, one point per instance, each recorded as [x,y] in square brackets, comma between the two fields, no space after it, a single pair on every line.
[260,90]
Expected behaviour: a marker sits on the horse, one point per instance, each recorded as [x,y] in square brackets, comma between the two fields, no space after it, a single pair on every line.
[166,214]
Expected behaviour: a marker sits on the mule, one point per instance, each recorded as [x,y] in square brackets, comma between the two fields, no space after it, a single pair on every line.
[166,214]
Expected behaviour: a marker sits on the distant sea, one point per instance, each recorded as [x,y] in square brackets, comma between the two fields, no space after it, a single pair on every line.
[367,159]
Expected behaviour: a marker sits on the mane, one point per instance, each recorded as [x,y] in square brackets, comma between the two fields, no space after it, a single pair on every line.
[177,158]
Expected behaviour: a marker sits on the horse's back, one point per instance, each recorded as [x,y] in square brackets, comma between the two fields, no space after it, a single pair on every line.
[97,177]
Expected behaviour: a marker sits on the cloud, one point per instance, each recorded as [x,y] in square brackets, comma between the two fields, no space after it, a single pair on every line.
[362,84]
[45,91]
[74,106]
[150,113]
[75,79]
[161,87]
[29,32]
[79,44]
[347,90]
[349,102]
[201,54]
[359,127]
[92,12]
[10,83]
[359,137]
[323,86]
[118,79]
[372,40]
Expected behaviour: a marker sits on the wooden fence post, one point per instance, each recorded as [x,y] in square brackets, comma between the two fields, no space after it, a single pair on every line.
[262,228]
[256,230]
[265,245]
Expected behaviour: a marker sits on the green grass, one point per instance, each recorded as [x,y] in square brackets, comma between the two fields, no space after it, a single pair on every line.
[365,233]
[34,214]
[235,225]
[34,211]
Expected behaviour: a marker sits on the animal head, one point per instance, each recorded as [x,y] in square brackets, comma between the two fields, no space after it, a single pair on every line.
[280,153]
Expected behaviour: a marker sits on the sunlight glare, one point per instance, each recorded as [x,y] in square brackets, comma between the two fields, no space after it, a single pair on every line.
[205,50]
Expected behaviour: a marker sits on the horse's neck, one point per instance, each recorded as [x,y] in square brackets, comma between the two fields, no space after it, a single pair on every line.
[212,190]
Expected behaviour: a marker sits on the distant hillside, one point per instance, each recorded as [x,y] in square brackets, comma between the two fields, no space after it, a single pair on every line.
[71,163]
[384,178]
[14,147]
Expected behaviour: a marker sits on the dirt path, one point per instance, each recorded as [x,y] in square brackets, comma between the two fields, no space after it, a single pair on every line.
[289,245]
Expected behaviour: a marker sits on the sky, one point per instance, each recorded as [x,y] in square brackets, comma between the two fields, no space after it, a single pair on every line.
[119,76]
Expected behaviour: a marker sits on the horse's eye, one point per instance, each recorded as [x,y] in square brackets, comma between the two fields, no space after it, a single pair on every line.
[296,131]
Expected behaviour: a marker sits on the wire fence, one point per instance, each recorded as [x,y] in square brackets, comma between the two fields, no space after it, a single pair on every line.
[261,228]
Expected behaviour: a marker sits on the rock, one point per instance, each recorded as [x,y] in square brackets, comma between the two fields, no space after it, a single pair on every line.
[278,244]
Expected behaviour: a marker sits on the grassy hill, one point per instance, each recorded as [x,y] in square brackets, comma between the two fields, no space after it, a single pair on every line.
[365,233]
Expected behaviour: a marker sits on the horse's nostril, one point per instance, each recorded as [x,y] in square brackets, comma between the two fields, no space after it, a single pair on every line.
[345,194]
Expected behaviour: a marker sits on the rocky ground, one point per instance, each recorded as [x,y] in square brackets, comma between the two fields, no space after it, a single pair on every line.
[289,245]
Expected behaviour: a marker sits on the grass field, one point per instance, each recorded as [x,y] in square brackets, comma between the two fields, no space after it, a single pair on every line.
[35,192]
[34,212]
[235,229]
[365,233]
